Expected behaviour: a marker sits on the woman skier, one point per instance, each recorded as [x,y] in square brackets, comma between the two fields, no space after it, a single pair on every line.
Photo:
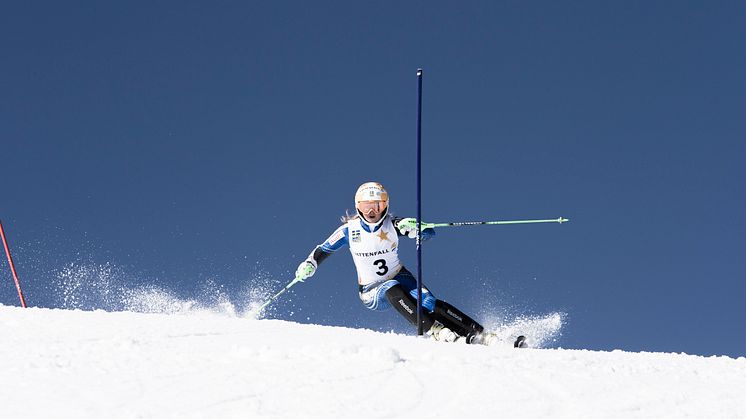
[373,236]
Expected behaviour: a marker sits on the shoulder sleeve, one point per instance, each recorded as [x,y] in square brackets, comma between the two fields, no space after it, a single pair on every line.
[336,240]
[331,245]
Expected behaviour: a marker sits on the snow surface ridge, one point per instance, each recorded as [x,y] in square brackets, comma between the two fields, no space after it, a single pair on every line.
[72,363]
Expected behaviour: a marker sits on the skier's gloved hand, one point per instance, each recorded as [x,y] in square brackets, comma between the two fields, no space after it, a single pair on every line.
[305,270]
[408,227]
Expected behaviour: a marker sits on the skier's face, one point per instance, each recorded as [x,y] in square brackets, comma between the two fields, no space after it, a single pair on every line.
[372,210]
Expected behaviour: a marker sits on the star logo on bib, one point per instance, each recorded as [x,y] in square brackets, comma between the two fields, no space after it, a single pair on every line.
[383,235]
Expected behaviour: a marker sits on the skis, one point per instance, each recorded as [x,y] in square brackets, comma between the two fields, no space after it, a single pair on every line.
[493,339]
[486,339]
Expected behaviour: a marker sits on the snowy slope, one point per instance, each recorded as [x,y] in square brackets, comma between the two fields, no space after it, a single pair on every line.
[83,364]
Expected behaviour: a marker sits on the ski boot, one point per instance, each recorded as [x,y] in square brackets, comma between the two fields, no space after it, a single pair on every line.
[520,342]
[443,334]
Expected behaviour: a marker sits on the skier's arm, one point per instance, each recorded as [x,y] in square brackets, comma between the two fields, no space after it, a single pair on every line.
[335,242]
[408,227]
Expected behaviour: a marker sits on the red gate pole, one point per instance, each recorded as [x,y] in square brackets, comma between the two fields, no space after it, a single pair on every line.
[12,266]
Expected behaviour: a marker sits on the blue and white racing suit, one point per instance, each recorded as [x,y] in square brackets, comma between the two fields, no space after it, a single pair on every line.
[376,257]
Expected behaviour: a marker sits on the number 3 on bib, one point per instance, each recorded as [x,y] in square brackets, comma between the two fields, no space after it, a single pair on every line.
[382,268]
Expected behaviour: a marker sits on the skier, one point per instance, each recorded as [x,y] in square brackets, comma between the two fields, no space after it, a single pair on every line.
[373,236]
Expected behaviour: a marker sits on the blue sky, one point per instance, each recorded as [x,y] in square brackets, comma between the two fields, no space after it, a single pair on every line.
[194,142]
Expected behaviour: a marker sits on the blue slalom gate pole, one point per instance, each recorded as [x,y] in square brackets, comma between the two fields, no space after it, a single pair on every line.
[419,202]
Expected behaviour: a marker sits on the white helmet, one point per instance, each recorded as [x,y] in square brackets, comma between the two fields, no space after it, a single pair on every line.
[372,197]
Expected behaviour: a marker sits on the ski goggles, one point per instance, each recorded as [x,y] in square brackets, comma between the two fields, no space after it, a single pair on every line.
[366,206]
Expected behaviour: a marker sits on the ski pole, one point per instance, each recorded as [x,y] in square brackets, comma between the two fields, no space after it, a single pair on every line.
[559,220]
[274,297]
[12,266]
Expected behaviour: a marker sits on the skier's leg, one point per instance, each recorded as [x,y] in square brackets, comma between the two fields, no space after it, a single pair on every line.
[403,296]
[401,292]
[439,327]
[401,299]
[457,320]
[439,311]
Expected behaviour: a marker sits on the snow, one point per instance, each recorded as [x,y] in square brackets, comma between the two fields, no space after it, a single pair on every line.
[91,364]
